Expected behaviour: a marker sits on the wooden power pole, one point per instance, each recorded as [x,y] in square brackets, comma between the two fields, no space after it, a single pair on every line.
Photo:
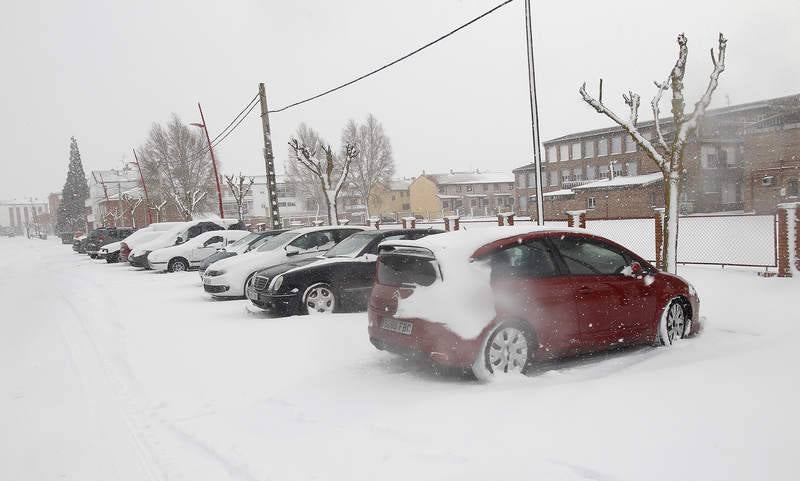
[269,160]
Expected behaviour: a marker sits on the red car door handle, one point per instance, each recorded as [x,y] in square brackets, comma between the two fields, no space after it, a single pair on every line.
[584,290]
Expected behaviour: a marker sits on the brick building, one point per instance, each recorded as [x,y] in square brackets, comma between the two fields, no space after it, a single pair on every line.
[742,158]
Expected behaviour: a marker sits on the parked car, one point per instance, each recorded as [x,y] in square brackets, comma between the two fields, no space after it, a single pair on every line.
[494,300]
[67,237]
[147,234]
[100,237]
[191,253]
[178,234]
[228,277]
[243,245]
[340,280]
[79,244]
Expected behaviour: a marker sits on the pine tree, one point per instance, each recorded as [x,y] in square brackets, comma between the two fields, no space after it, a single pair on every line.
[72,211]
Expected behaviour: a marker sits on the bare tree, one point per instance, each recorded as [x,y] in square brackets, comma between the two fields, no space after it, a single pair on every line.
[175,162]
[240,186]
[375,163]
[668,155]
[302,181]
[131,203]
[158,202]
[325,171]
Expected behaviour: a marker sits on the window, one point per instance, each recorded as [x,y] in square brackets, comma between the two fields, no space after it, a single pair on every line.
[564,175]
[577,173]
[486,186]
[711,185]
[792,188]
[632,167]
[654,198]
[214,240]
[576,150]
[591,203]
[630,144]
[731,193]
[320,240]
[553,178]
[511,186]
[602,147]
[523,202]
[521,181]
[551,153]
[563,152]
[496,187]
[616,144]
[474,203]
[532,179]
[588,149]
[591,172]
[603,172]
[531,259]
[458,188]
[441,189]
[617,169]
[589,257]
[469,188]
[708,157]
[730,158]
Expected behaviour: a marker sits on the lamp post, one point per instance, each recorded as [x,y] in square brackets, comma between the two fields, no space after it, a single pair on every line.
[213,159]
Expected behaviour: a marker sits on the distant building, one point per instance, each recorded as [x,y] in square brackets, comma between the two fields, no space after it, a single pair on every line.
[21,214]
[742,158]
[390,199]
[470,194]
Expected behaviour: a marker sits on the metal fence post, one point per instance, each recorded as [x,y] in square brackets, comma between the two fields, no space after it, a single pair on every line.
[659,236]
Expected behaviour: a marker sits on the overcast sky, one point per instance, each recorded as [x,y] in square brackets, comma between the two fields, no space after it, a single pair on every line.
[104,71]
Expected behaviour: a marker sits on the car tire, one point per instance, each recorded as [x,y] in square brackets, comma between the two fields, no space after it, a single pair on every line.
[508,349]
[178,264]
[674,323]
[93,256]
[320,298]
[112,258]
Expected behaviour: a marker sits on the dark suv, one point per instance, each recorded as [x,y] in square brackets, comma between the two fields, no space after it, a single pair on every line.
[105,235]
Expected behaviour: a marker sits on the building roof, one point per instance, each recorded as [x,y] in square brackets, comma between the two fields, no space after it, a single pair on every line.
[399,184]
[623,181]
[760,104]
[476,177]
[557,193]
[114,175]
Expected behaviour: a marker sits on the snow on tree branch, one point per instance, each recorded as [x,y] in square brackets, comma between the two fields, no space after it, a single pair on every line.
[627,124]
[656,106]
[701,105]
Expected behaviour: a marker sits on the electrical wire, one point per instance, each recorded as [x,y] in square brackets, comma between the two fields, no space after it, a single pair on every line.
[232,125]
[373,72]
[214,144]
[249,105]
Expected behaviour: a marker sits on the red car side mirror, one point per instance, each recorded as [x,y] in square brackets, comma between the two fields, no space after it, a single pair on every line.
[636,268]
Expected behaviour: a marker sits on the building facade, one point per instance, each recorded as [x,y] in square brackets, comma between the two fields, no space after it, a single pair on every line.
[726,161]
[469,194]
[22,215]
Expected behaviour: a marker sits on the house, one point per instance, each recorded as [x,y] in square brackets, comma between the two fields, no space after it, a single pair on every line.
[742,158]
[391,199]
[470,194]
[20,214]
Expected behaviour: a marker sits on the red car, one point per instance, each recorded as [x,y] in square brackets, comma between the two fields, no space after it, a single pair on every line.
[494,300]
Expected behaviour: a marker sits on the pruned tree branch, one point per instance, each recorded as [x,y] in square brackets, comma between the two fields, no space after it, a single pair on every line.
[656,105]
[628,126]
[701,105]
[632,101]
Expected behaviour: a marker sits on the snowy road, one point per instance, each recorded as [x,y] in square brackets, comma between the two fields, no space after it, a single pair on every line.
[108,373]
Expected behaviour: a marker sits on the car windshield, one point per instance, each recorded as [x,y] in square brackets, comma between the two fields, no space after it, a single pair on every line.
[351,246]
[277,241]
[243,241]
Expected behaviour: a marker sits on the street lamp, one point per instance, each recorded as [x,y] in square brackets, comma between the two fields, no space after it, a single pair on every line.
[213,159]
[144,188]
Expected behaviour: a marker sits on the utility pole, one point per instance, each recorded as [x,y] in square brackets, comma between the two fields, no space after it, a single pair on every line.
[269,160]
[144,188]
[213,158]
[537,153]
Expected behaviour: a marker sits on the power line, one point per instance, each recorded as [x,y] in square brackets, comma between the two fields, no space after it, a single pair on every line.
[215,143]
[373,72]
[249,104]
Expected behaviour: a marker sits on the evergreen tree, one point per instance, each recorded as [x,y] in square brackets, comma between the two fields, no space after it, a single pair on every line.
[72,211]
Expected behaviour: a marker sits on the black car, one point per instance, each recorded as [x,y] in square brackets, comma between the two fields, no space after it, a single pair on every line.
[245,244]
[341,280]
[105,235]
[79,245]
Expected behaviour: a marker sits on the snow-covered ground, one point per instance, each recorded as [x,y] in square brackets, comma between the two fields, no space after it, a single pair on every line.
[110,373]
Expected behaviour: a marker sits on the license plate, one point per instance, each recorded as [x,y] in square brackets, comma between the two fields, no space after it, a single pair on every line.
[394,325]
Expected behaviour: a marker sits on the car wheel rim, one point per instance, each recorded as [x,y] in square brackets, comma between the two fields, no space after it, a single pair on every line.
[508,351]
[320,300]
[178,267]
[676,322]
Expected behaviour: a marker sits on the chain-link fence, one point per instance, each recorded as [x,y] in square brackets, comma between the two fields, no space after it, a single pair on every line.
[727,240]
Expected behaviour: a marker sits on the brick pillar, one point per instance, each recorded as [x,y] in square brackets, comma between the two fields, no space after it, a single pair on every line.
[451,222]
[504,218]
[409,222]
[659,236]
[375,221]
[318,222]
[789,239]
[576,217]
